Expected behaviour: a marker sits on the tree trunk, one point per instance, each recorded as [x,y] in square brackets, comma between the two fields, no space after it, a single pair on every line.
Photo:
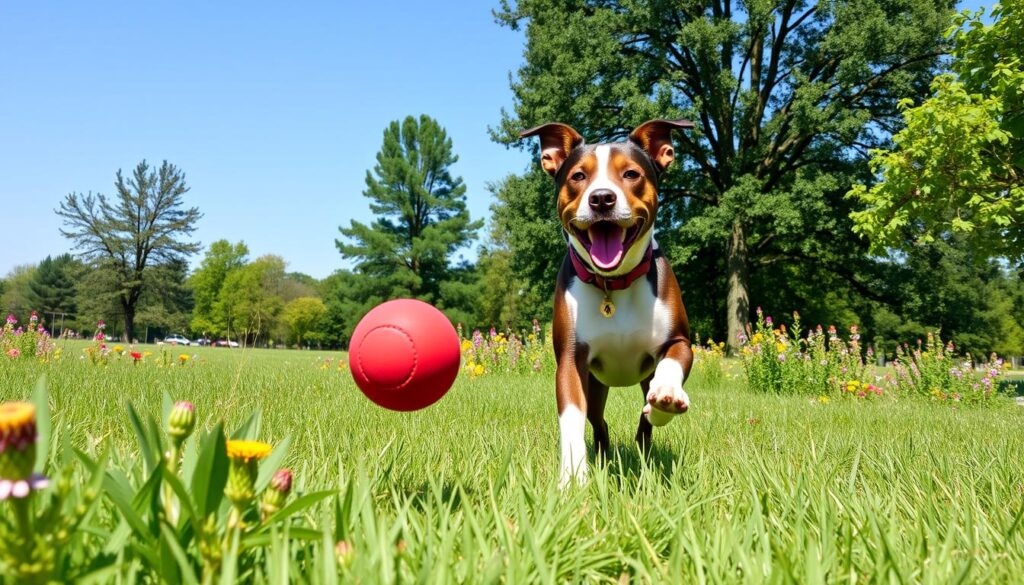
[129,321]
[737,300]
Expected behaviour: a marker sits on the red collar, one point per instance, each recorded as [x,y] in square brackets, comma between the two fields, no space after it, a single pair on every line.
[584,273]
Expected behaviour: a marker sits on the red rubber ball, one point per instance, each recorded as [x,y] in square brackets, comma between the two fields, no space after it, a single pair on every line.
[404,355]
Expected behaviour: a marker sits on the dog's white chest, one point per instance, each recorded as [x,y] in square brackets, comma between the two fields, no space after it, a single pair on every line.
[623,348]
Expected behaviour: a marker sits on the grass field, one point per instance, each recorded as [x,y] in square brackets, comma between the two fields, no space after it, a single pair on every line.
[744,488]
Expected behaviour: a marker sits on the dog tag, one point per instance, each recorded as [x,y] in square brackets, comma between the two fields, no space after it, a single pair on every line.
[607,308]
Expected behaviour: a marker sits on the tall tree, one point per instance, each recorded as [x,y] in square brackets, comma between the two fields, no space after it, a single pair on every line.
[167,301]
[220,260]
[958,165]
[421,212]
[249,304]
[304,316]
[142,226]
[53,284]
[17,297]
[787,95]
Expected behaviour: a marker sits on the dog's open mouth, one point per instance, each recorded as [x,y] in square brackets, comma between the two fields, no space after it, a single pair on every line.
[608,241]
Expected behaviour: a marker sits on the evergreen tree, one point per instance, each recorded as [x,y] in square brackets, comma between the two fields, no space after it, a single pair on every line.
[53,285]
[17,297]
[788,96]
[421,212]
[138,229]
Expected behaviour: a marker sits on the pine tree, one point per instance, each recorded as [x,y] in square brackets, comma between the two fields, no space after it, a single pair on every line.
[53,285]
[421,212]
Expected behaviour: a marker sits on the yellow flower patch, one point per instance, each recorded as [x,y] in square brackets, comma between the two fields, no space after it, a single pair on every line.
[16,415]
[248,450]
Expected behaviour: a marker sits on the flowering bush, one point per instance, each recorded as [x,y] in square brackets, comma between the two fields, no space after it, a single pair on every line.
[165,512]
[822,363]
[778,360]
[505,352]
[709,363]
[31,341]
[934,370]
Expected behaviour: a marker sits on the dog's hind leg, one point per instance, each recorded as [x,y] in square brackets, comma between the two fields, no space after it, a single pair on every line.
[597,395]
[643,430]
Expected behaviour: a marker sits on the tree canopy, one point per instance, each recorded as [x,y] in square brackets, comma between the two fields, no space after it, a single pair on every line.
[143,226]
[421,218]
[221,259]
[788,96]
[958,165]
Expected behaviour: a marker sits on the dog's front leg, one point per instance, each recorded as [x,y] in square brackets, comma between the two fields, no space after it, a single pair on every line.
[571,389]
[666,397]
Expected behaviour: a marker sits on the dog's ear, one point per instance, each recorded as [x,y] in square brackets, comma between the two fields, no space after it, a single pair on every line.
[655,137]
[556,142]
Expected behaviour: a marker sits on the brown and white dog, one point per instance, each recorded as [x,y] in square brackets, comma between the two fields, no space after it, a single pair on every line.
[619,318]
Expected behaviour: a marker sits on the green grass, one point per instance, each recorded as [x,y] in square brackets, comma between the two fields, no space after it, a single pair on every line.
[744,488]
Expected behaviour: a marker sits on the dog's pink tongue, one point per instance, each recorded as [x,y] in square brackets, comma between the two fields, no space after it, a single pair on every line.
[605,245]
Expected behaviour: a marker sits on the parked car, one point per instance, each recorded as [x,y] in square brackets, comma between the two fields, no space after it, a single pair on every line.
[177,339]
[226,343]
[202,341]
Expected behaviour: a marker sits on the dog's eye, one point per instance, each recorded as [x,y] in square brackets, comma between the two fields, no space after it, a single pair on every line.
[631,175]
[578,176]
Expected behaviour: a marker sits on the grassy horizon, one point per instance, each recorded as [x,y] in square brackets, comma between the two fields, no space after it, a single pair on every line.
[745,487]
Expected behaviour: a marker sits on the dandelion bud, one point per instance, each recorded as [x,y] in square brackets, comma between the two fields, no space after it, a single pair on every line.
[276,493]
[18,450]
[181,422]
[344,551]
[244,458]
[17,440]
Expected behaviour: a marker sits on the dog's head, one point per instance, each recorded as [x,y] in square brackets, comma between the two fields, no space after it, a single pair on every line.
[608,193]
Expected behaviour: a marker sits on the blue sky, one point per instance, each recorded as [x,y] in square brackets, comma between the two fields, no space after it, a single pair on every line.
[274,111]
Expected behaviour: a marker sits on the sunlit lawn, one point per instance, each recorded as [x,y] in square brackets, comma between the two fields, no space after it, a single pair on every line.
[744,488]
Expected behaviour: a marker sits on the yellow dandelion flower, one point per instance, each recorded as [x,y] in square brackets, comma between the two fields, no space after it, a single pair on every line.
[478,370]
[248,450]
[780,347]
[183,358]
[118,349]
[16,415]
[466,345]
[823,399]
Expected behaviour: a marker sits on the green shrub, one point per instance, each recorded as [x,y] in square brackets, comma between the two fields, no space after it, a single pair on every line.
[190,513]
[933,369]
[709,364]
[778,360]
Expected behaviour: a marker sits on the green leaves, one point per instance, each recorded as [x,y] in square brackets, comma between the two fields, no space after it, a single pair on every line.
[421,217]
[786,95]
[139,229]
[211,473]
[958,165]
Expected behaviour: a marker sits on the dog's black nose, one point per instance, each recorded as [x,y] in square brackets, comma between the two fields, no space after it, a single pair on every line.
[602,200]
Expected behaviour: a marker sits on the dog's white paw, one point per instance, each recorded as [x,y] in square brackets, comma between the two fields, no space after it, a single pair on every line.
[666,397]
